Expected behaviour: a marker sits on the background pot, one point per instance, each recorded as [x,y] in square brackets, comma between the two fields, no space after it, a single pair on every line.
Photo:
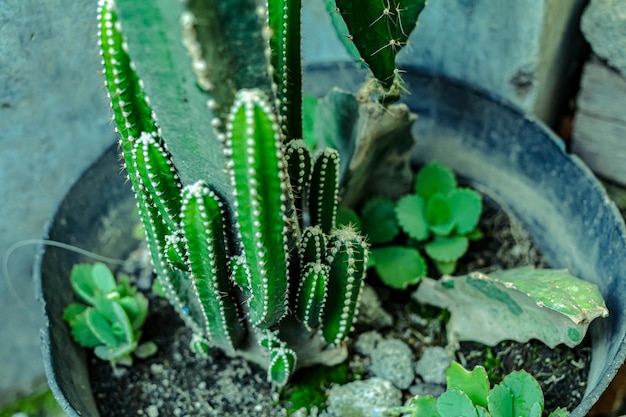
[515,160]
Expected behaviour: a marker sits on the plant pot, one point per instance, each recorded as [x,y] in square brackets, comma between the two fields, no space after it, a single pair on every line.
[515,160]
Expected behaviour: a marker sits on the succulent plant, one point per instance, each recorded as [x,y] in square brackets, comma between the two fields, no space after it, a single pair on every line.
[239,214]
[469,394]
[109,317]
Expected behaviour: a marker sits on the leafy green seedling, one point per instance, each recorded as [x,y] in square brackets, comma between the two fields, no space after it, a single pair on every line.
[468,394]
[110,317]
[439,219]
[440,215]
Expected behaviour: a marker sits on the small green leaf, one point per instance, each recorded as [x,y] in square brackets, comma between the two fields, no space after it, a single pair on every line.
[455,403]
[116,316]
[559,412]
[411,215]
[445,268]
[81,332]
[475,234]
[379,220]
[119,354]
[82,282]
[525,391]
[447,249]
[136,309]
[347,217]
[103,278]
[474,383]
[434,178]
[145,350]
[500,401]
[424,406]
[101,328]
[72,311]
[399,266]
[439,215]
[466,206]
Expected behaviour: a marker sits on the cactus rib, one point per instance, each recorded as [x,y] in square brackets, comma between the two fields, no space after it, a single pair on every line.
[324,190]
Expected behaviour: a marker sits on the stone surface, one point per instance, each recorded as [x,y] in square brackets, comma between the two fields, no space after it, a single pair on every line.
[371,312]
[367,398]
[600,121]
[392,359]
[54,121]
[519,50]
[431,367]
[366,343]
[604,25]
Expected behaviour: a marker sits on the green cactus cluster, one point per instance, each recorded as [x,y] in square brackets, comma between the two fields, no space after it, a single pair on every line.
[257,267]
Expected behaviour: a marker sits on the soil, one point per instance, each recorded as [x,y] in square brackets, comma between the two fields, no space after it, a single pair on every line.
[175,382]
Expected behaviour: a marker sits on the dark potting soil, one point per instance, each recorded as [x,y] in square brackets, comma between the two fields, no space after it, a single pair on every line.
[176,382]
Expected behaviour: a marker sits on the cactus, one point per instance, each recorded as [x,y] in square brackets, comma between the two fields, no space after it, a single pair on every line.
[239,214]
[373,32]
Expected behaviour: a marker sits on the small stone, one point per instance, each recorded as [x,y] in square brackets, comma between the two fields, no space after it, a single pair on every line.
[156,369]
[431,367]
[427,388]
[366,343]
[152,411]
[392,360]
[367,398]
[371,311]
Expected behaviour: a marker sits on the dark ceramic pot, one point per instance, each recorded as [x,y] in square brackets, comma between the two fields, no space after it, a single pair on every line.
[515,160]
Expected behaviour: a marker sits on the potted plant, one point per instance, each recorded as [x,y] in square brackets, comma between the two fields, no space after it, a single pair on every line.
[174,214]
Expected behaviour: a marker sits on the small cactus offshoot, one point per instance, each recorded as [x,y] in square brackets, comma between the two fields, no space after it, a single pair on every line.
[255,267]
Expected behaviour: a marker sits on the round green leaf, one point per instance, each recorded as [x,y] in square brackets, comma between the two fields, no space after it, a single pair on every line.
[447,249]
[434,178]
[411,216]
[474,383]
[466,206]
[439,215]
[399,266]
[379,220]
[103,278]
[500,401]
[525,391]
[455,403]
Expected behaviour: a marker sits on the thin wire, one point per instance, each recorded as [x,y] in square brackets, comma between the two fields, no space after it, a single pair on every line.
[61,245]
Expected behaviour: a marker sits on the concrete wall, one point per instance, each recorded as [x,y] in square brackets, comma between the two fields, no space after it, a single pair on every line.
[54,121]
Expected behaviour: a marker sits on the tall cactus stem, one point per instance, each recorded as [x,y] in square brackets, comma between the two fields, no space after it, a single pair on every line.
[134,118]
[203,220]
[253,146]
[347,256]
[311,294]
[284,23]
